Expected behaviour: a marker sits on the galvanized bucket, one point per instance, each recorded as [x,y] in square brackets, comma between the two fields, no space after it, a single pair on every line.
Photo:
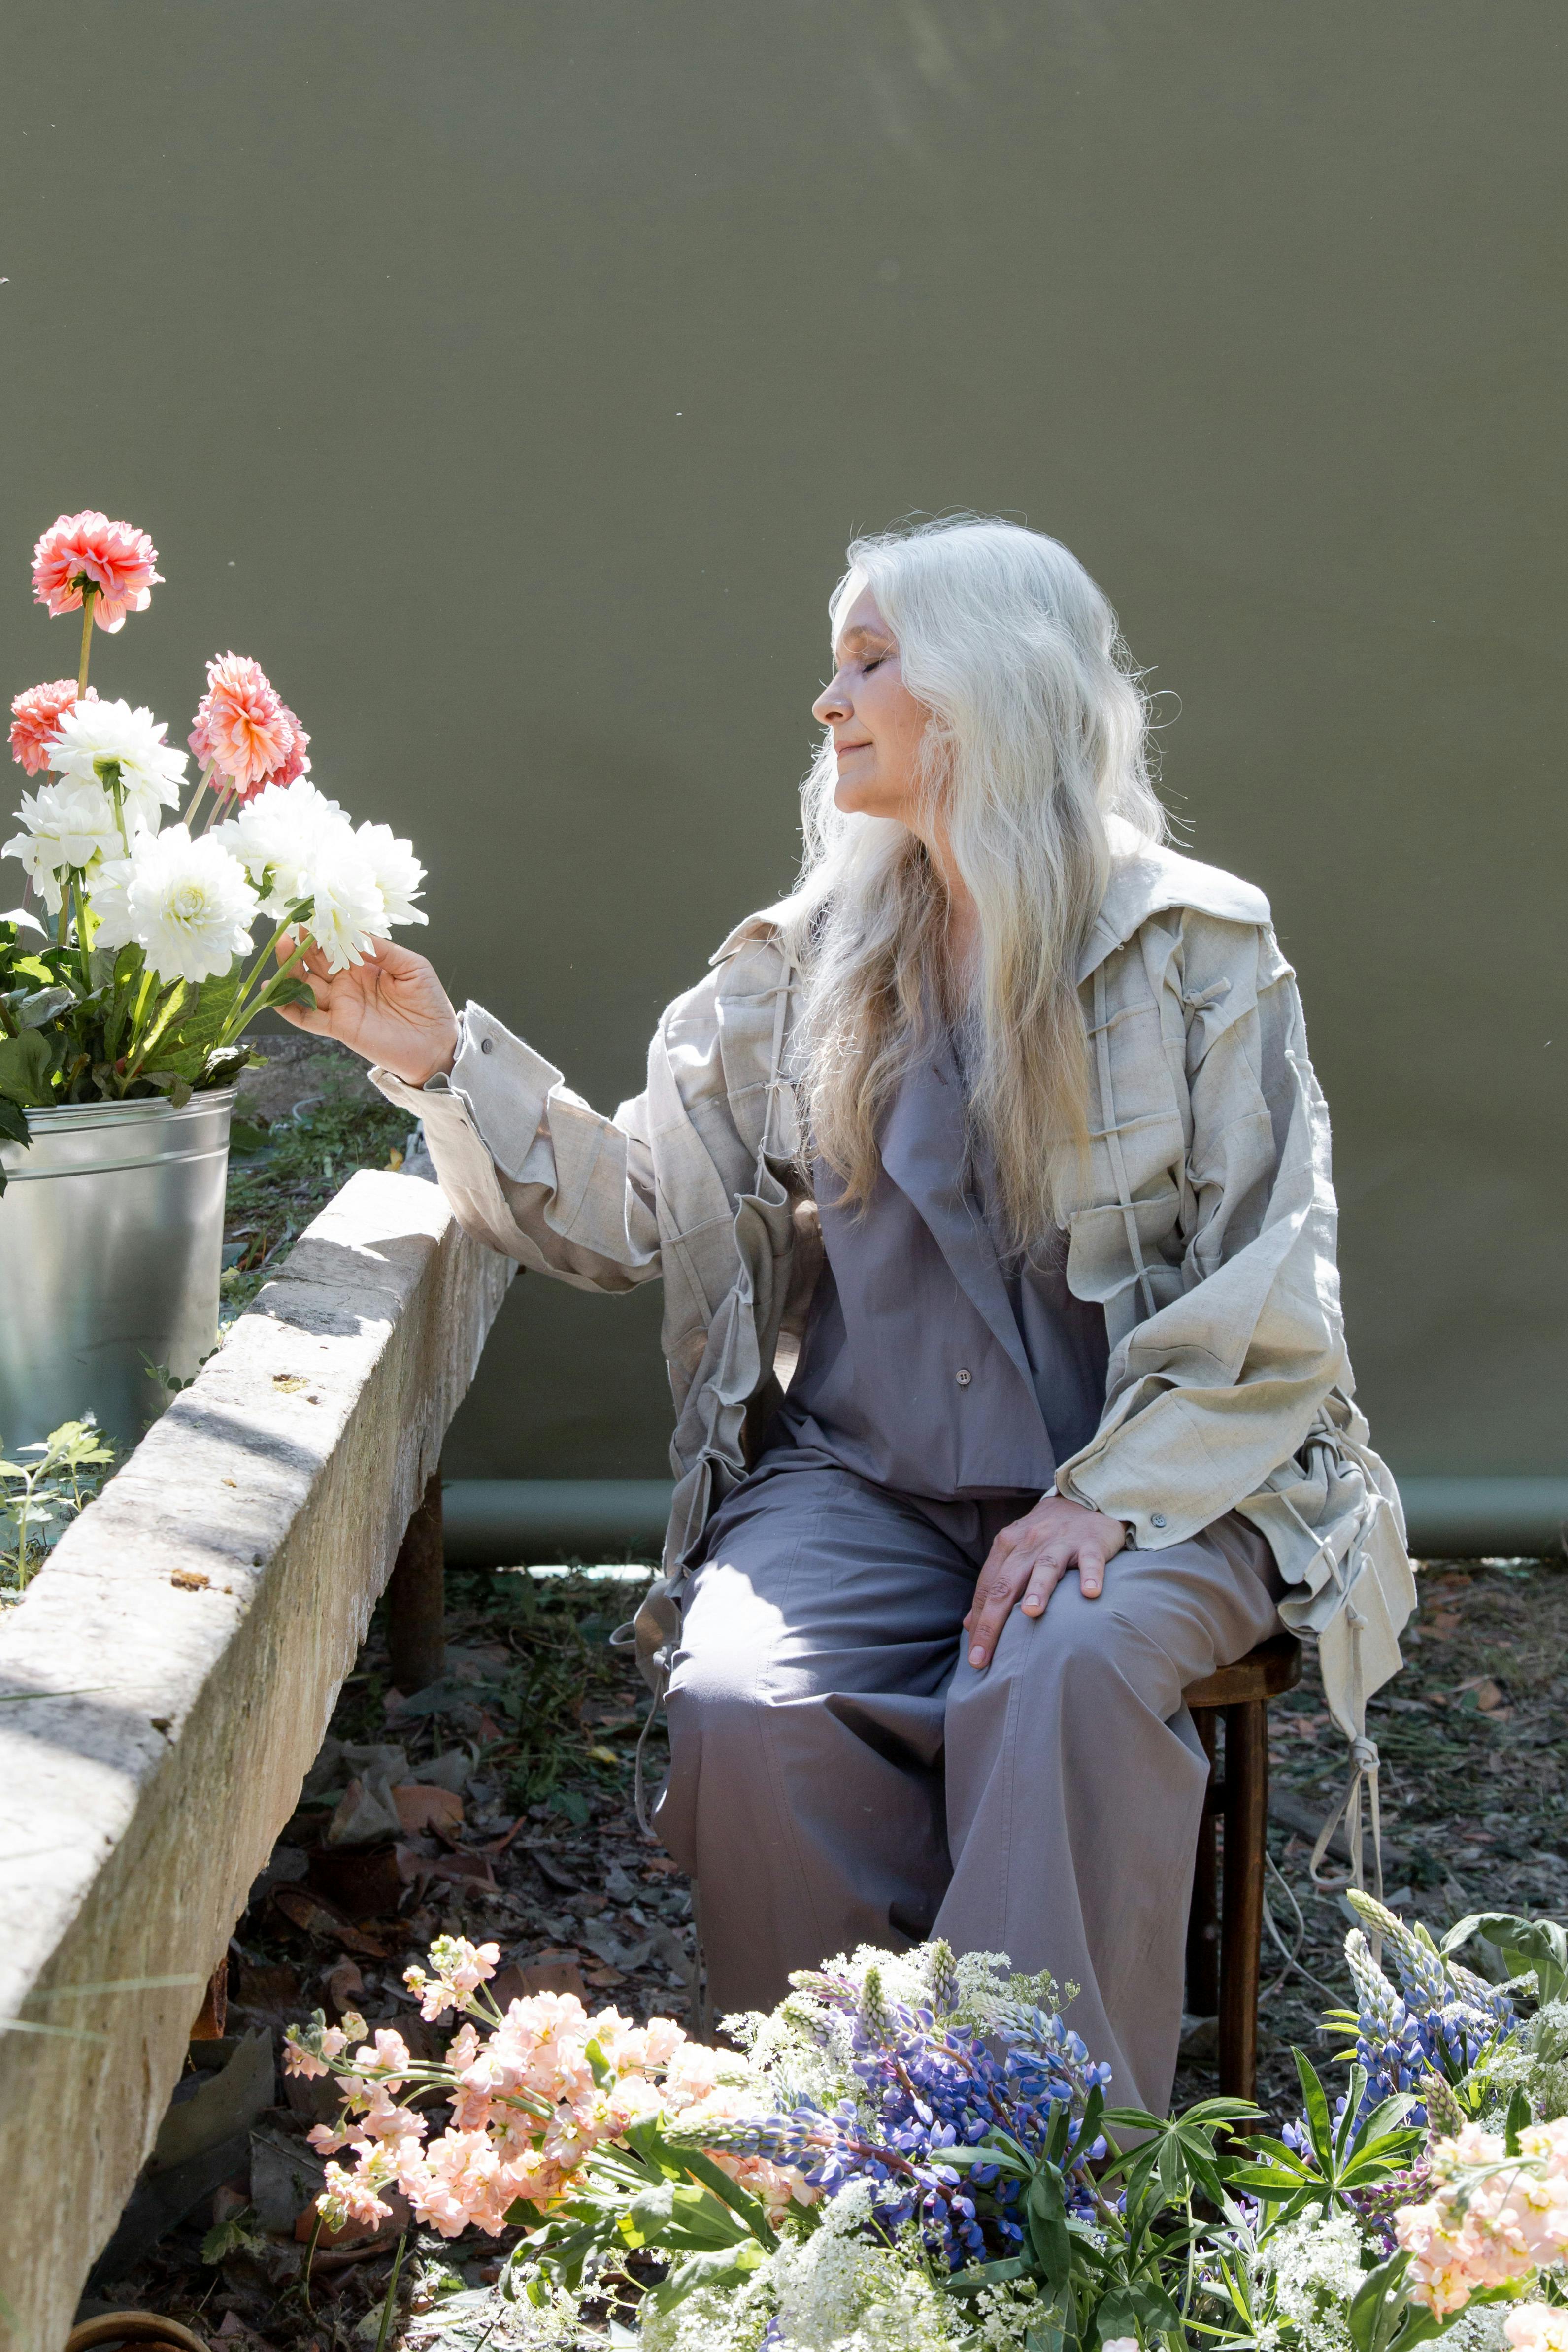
[110,1240]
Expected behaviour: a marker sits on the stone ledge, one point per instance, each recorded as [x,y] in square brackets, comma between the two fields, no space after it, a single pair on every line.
[139,1812]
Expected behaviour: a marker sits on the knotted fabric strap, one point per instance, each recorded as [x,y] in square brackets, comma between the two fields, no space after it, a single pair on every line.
[639,1786]
[1363,1767]
[1363,1764]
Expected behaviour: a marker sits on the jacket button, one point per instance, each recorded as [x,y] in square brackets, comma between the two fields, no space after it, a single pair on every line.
[1157,1519]
[963,1377]
[485,1044]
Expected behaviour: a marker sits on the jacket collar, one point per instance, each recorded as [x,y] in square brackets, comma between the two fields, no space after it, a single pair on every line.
[1146,879]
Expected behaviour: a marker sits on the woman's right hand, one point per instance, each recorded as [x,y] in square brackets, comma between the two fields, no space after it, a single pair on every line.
[391,1009]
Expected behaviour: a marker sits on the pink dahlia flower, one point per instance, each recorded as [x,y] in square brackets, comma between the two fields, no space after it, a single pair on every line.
[88,550]
[246,728]
[35,717]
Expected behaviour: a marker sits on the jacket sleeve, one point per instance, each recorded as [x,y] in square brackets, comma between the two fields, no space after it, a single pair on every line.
[1220,1385]
[529,1167]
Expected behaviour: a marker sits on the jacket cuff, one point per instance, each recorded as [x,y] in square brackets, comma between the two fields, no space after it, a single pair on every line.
[501,1085]
[1147,1530]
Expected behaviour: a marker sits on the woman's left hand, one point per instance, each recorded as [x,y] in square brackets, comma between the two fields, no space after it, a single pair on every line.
[1029,1560]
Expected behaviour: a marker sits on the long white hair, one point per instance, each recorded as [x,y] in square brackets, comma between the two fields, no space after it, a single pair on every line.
[1038,734]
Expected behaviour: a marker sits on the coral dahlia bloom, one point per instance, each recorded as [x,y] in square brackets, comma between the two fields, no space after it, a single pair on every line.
[246,728]
[35,715]
[89,549]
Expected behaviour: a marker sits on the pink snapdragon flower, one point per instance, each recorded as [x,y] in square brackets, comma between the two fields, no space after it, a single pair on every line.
[1536,2327]
[246,730]
[533,2093]
[351,2197]
[1492,2220]
[36,717]
[87,549]
[460,1969]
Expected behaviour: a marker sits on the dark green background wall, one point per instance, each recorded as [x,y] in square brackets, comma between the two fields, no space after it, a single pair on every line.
[508,379]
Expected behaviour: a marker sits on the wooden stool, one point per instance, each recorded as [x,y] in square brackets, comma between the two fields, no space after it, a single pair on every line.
[1222,1960]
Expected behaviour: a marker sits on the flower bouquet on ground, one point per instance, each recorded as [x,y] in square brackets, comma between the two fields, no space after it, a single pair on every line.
[135,971]
[915,2152]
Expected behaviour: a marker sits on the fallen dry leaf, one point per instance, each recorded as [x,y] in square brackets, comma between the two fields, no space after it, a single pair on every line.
[289,1383]
[345,1985]
[189,1580]
[421,1805]
[316,1918]
[549,1974]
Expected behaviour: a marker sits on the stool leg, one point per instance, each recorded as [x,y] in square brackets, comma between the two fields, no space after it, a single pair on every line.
[1202,1924]
[416,1599]
[1241,1931]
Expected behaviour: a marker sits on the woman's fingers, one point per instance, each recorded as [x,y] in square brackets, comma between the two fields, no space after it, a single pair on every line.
[1001,1581]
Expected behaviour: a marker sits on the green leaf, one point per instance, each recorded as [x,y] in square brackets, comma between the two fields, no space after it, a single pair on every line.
[14,1126]
[1320,2130]
[1518,2117]
[682,2215]
[292,991]
[1537,1944]
[974,2277]
[719,2267]
[201,1024]
[1355,2091]
[25,1068]
[1379,2305]
[1045,2214]
[32,1012]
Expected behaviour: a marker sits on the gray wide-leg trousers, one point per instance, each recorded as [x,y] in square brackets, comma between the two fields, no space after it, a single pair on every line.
[841,1775]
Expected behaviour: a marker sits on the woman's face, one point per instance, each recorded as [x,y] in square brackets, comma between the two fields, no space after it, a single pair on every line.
[876,722]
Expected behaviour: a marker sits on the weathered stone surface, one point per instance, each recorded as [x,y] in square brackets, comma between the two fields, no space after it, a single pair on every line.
[135,1812]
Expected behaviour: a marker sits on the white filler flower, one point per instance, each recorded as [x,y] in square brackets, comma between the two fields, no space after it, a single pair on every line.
[397,872]
[189,903]
[64,825]
[93,734]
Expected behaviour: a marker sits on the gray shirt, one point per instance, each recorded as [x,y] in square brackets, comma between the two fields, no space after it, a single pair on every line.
[933,1363]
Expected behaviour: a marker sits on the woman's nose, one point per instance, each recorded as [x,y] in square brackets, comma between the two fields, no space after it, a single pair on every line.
[831,703]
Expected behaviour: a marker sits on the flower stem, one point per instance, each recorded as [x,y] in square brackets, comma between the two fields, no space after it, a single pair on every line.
[197,795]
[243,1008]
[83,949]
[172,1004]
[87,592]
[390,2303]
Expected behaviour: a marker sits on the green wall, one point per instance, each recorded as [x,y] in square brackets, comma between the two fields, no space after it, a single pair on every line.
[508,379]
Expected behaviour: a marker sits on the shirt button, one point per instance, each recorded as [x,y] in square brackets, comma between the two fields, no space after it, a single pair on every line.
[1157,1519]
[963,1378]
[485,1044]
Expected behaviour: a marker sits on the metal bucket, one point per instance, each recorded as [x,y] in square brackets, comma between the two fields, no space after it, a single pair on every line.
[110,1242]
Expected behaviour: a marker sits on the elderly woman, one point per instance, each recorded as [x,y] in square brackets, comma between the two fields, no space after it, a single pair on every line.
[989,1180]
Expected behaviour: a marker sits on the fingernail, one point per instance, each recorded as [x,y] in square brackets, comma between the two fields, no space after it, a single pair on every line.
[1034,1607]
[977,1656]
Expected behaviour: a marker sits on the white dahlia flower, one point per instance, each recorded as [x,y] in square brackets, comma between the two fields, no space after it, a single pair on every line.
[279,835]
[189,904]
[399,876]
[64,825]
[93,734]
[347,913]
[107,890]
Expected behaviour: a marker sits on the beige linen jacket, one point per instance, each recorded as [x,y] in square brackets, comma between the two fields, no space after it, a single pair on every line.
[1207,1235]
